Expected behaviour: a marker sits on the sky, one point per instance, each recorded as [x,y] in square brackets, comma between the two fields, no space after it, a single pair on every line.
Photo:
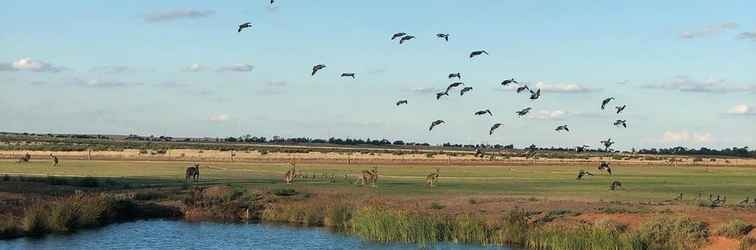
[685,69]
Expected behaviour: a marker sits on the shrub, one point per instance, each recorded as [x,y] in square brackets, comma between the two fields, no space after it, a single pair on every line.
[8,227]
[515,228]
[338,216]
[34,221]
[610,225]
[673,233]
[63,217]
[734,229]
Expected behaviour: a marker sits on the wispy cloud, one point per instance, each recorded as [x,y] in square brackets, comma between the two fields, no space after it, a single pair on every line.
[742,109]
[747,36]
[172,15]
[28,64]
[687,84]
[625,82]
[564,88]
[684,136]
[554,115]
[711,30]
[219,118]
[424,90]
[194,68]
[114,69]
[171,85]
[273,88]
[97,83]
[236,68]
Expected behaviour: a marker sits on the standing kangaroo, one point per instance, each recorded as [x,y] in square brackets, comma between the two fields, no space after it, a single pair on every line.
[432,178]
[54,160]
[291,174]
[192,173]
[369,177]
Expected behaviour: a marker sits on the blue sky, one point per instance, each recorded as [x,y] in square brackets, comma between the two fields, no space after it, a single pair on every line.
[686,69]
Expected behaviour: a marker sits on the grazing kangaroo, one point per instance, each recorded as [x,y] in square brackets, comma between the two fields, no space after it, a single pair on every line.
[369,177]
[291,174]
[54,160]
[432,178]
[193,173]
[605,166]
[615,185]
[24,159]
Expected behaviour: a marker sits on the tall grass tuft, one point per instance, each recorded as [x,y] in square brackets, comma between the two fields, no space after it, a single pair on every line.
[338,216]
[383,225]
[63,217]
[673,233]
[35,219]
[514,229]
[734,229]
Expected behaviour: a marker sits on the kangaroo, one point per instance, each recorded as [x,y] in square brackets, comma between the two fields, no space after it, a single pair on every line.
[54,160]
[432,178]
[291,174]
[193,173]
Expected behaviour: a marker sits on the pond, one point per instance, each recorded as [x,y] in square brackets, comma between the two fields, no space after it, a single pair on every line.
[167,234]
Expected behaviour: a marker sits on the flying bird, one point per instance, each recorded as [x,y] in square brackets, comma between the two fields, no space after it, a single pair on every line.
[435,123]
[440,94]
[400,102]
[563,127]
[272,1]
[604,166]
[522,88]
[508,81]
[494,127]
[620,108]
[405,38]
[454,85]
[477,53]
[583,173]
[607,144]
[622,123]
[605,102]
[464,90]
[444,36]
[316,68]
[244,26]
[535,94]
[348,75]
[483,112]
[455,75]
[398,35]
[524,111]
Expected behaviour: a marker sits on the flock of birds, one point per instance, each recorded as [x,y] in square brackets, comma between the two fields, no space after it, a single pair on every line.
[519,87]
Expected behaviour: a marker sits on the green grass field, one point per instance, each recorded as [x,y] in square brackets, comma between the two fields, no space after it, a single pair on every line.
[641,183]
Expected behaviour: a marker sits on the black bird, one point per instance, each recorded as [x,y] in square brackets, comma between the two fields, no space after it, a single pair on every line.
[444,36]
[440,94]
[535,94]
[583,173]
[244,26]
[604,166]
[464,90]
[622,123]
[272,1]
[477,53]
[607,144]
[435,123]
[620,108]
[483,112]
[348,75]
[454,85]
[524,111]
[508,81]
[400,102]
[316,68]
[563,127]
[522,88]
[398,35]
[405,38]
[605,102]
[457,75]
[494,127]
[582,148]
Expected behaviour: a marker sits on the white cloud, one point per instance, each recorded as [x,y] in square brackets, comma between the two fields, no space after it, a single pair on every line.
[172,15]
[28,64]
[237,68]
[686,84]
[556,115]
[747,36]
[194,68]
[116,69]
[685,137]
[741,109]
[98,83]
[563,88]
[218,118]
[425,91]
[709,31]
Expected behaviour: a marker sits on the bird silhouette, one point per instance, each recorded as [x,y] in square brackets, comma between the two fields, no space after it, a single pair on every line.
[604,166]
[583,173]
[508,81]
[535,94]
[454,85]
[444,36]
[400,102]
[348,75]
[494,127]
[607,144]
[464,90]
[524,111]
[244,26]
[398,35]
[483,112]
[605,102]
[522,88]
[563,127]
[272,1]
[620,108]
[622,123]
[435,123]
[440,94]
[406,38]
[477,53]
[316,68]
[455,75]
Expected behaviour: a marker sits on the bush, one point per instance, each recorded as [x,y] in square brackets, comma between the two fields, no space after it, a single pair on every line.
[34,221]
[734,229]
[515,228]
[63,217]
[8,227]
[610,225]
[338,216]
[673,233]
